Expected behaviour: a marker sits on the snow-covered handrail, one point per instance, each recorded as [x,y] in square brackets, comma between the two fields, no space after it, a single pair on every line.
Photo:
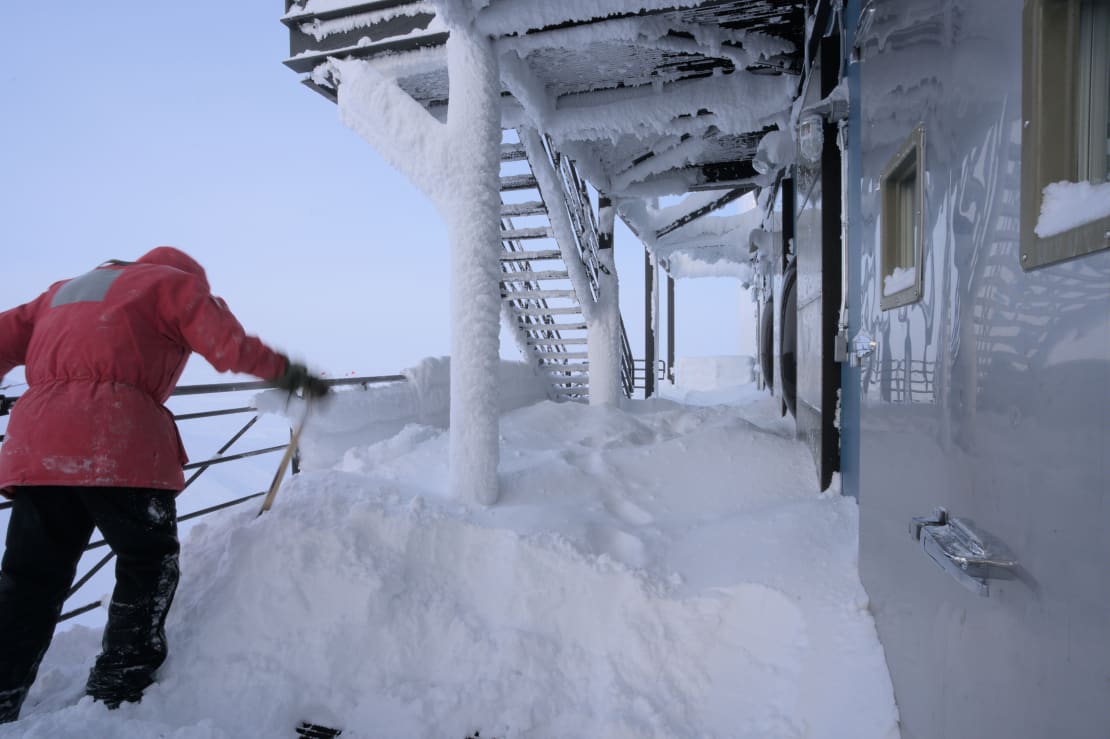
[200,466]
[584,230]
[581,215]
[628,365]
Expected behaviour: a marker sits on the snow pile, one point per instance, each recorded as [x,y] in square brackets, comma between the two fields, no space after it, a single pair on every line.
[380,412]
[1067,205]
[902,278]
[652,571]
[710,374]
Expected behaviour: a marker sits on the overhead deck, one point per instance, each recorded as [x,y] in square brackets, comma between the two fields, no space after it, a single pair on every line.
[709,73]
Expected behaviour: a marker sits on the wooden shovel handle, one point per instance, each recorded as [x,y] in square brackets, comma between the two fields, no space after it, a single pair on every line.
[286,458]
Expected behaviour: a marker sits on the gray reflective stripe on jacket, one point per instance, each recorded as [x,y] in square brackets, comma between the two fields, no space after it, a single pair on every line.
[90,287]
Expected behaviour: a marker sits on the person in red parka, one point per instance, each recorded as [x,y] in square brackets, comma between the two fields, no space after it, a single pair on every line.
[91,443]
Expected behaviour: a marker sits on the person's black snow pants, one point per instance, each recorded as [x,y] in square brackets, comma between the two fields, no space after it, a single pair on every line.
[47,533]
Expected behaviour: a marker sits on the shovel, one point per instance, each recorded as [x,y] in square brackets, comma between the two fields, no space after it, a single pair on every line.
[286,458]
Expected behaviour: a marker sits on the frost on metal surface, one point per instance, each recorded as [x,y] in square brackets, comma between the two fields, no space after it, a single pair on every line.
[713,245]
[455,163]
[647,97]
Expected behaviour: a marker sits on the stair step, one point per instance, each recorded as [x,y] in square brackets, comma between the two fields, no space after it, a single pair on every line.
[531,256]
[516,234]
[540,310]
[529,208]
[562,355]
[555,379]
[518,182]
[538,294]
[534,327]
[558,365]
[534,276]
[513,152]
[543,342]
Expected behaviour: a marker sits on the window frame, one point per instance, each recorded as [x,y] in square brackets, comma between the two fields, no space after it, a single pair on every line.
[891,246]
[1053,140]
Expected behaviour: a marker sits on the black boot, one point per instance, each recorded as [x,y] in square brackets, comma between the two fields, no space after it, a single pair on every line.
[141,527]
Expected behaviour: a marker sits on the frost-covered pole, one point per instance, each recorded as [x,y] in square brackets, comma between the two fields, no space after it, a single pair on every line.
[457,166]
[472,210]
[604,329]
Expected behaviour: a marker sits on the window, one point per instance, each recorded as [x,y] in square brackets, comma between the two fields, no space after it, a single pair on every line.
[1066,113]
[902,206]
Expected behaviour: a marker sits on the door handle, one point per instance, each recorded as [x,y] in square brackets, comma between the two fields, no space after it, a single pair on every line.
[971,556]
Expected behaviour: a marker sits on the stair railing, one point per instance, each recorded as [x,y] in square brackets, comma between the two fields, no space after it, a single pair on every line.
[584,222]
[199,468]
[582,217]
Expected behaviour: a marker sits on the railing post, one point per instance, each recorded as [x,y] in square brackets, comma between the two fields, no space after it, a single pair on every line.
[670,329]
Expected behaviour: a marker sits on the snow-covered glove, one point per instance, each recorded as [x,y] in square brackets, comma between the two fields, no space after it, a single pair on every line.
[298,378]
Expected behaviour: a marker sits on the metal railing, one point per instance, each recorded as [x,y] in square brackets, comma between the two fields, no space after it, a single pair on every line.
[199,468]
[582,219]
[584,224]
[640,373]
[628,365]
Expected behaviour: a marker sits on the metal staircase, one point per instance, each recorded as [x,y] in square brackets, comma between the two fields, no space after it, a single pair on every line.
[548,288]
[540,300]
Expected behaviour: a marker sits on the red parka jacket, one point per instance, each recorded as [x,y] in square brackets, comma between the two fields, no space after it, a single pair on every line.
[103,353]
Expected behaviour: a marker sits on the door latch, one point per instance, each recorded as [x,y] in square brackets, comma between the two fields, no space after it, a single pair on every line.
[861,347]
[969,555]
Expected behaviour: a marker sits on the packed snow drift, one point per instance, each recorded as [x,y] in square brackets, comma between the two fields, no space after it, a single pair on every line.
[658,570]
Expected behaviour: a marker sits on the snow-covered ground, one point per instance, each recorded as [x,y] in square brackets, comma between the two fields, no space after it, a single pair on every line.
[662,570]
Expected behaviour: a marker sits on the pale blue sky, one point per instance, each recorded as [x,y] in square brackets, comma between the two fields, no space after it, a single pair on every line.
[128,124]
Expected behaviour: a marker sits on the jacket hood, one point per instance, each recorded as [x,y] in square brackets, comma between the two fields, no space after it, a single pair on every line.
[168,256]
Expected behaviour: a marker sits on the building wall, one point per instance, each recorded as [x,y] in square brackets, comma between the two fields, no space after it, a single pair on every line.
[989,396]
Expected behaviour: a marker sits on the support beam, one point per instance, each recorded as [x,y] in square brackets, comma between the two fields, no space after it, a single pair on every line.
[725,199]
[457,165]
[473,223]
[649,324]
[605,320]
